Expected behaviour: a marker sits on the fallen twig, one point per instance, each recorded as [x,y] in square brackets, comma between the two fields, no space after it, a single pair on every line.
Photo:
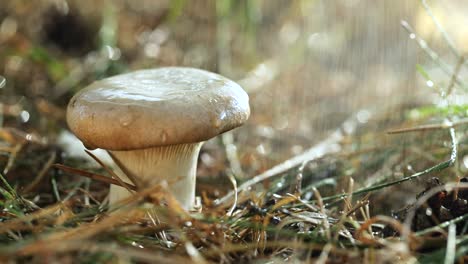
[429,127]
[93,176]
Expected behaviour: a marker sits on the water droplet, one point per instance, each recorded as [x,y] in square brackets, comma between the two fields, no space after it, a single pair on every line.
[218,120]
[126,120]
[135,244]
[222,116]
[163,136]
[261,149]
[112,53]
[2,81]
[465,161]
[216,123]
[428,211]
[24,115]
[363,116]
[412,36]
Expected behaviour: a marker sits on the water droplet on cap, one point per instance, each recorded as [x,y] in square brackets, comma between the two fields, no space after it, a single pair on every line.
[126,119]
[217,122]
[163,136]
[218,119]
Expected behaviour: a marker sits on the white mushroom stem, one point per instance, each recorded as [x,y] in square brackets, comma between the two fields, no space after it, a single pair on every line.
[175,164]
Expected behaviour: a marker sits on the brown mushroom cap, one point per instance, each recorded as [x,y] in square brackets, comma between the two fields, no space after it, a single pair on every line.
[156,107]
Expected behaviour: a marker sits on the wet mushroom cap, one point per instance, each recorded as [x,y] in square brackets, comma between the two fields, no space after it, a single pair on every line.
[156,107]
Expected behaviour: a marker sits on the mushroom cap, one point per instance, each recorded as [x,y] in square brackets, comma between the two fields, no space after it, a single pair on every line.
[156,107]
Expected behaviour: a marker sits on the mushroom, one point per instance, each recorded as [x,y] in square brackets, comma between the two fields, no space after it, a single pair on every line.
[153,123]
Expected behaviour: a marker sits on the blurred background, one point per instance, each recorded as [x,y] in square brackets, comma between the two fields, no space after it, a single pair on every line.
[307,65]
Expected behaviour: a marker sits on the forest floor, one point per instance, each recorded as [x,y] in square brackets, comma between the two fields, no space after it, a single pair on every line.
[375,184]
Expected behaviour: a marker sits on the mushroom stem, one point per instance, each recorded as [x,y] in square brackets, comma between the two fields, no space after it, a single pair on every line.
[175,164]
